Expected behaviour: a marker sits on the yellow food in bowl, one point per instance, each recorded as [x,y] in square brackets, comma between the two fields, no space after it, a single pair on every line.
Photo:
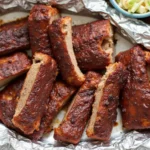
[135,6]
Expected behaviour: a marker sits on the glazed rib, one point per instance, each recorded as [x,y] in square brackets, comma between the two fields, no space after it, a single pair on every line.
[125,56]
[93,45]
[72,127]
[34,94]
[13,66]
[59,96]
[39,19]
[61,31]
[135,102]
[106,102]
[14,36]
[8,101]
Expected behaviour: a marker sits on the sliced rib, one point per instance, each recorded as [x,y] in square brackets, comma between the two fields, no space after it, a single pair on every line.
[135,102]
[60,33]
[8,101]
[12,66]
[93,44]
[39,19]
[106,102]
[125,56]
[59,96]
[72,127]
[14,36]
[34,94]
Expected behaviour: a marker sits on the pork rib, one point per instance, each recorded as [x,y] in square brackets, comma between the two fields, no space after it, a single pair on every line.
[60,33]
[8,101]
[135,102]
[125,56]
[106,102]
[34,94]
[59,96]
[13,66]
[14,36]
[72,127]
[93,44]
[39,19]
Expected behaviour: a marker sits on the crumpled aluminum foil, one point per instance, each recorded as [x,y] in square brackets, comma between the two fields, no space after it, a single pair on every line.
[136,30]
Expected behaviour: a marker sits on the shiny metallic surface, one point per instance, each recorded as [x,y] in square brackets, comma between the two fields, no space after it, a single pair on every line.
[137,31]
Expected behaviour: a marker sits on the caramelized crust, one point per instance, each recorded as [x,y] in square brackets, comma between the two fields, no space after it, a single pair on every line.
[13,66]
[147,57]
[135,102]
[34,94]
[14,36]
[39,19]
[93,45]
[60,94]
[106,102]
[60,33]
[125,56]
[72,127]
[8,101]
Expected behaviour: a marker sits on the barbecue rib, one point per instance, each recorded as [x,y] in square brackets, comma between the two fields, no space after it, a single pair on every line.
[8,101]
[106,102]
[14,36]
[39,19]
[60,94]
[135,102]
[60,33]
[34,94]
[72,127]
[125,56]
[13,66]
[93,45]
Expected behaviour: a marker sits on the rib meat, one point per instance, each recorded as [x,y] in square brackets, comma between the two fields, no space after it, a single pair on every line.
[39,19]
[135,102]
[72,127]
[106,102]
[8,101]
[14,36]
[34,94]
[60,33]
[60,94]
[125,56]
[93,45]
[13,66]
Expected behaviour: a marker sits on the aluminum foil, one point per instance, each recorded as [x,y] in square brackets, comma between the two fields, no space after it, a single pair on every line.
[136,30]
